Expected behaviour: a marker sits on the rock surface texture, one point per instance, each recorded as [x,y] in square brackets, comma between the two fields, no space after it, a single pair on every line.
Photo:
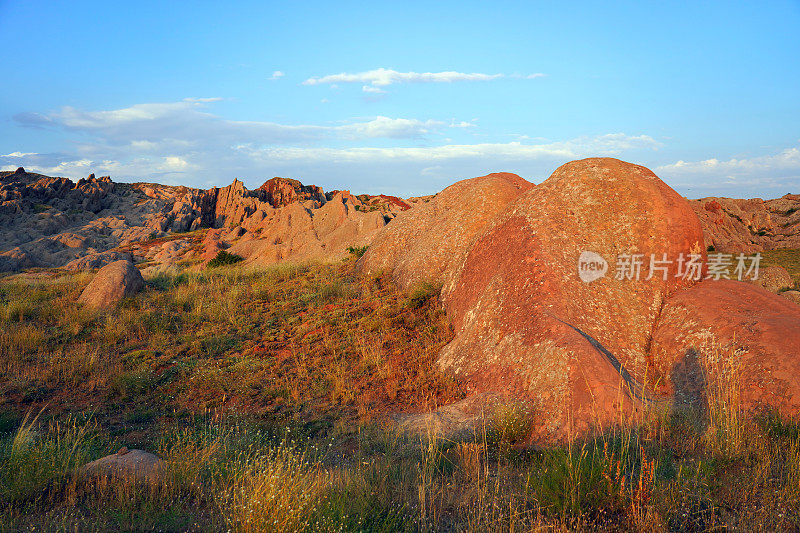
[774,279]
[54,222]
[111,284]
[430,242]
[755,225]
[717,326]
[127,463]
[518,299]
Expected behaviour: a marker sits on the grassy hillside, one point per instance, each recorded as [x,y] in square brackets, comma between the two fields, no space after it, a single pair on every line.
[270,396]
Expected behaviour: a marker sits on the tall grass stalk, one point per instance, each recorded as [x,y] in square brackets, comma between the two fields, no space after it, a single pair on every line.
[722,370]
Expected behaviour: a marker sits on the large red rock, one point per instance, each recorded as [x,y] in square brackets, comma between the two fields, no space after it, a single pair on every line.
[281,192]
[714,321]
[429,242]
[112,283]
[518,298]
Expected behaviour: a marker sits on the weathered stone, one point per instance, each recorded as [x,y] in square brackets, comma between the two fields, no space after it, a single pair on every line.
[773,278]
[518,302]
[716,323]
[127,464]
[429,243]
[112,283]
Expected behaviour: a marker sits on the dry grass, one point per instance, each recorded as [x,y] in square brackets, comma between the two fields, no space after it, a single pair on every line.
[266,393]
[307,343]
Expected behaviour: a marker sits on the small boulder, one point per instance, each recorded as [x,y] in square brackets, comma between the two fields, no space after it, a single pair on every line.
[127,463]
[112,283]
[773,278]
[793,296]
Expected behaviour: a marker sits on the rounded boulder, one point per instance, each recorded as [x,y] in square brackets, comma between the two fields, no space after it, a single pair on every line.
[530,326]
[115,281]
[429,242]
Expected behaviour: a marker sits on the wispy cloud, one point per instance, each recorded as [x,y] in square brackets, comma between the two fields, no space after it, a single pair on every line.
[780,170]
[278,74]
[788,159]
[372,89]
[184,142]
[143,126]
[383,77]
[602,145]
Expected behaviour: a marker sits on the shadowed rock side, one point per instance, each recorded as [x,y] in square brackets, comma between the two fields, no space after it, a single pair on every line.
[127,464]
[429,242]
[520,280]
[721,322]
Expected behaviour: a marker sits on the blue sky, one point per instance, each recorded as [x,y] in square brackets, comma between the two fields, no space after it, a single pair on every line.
[403,98]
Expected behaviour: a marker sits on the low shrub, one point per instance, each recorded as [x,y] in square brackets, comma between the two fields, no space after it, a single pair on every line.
[357,251]
[423,292]
[224,258]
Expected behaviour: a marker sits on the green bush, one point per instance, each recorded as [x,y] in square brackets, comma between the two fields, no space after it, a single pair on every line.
[224,258]
[423,292]
[357,251]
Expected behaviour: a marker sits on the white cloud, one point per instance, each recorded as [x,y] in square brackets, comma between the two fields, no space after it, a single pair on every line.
[372,89]
[184,143]
[603,145]
[18,154]
[788,159]
[204,100]
[394,128]
[751,176]
[277,75]
[158,126]
[175,163]
[382,77]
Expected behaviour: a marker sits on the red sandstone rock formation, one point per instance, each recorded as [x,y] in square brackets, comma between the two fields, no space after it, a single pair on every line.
[716,325]
[754,225]
[518,293]
[112,283]
[429,242]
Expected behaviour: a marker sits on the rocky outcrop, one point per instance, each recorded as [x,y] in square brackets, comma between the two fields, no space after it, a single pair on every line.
[111,284]
[792,296]
[21,189]
[430,242]
[527,325]
[297,233]
[754,225]
[53,222]
[50,222]
[281,192]
[734,331]
[97,260]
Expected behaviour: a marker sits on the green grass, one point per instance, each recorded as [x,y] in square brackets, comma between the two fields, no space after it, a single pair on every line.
[788,258]
[357,251]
